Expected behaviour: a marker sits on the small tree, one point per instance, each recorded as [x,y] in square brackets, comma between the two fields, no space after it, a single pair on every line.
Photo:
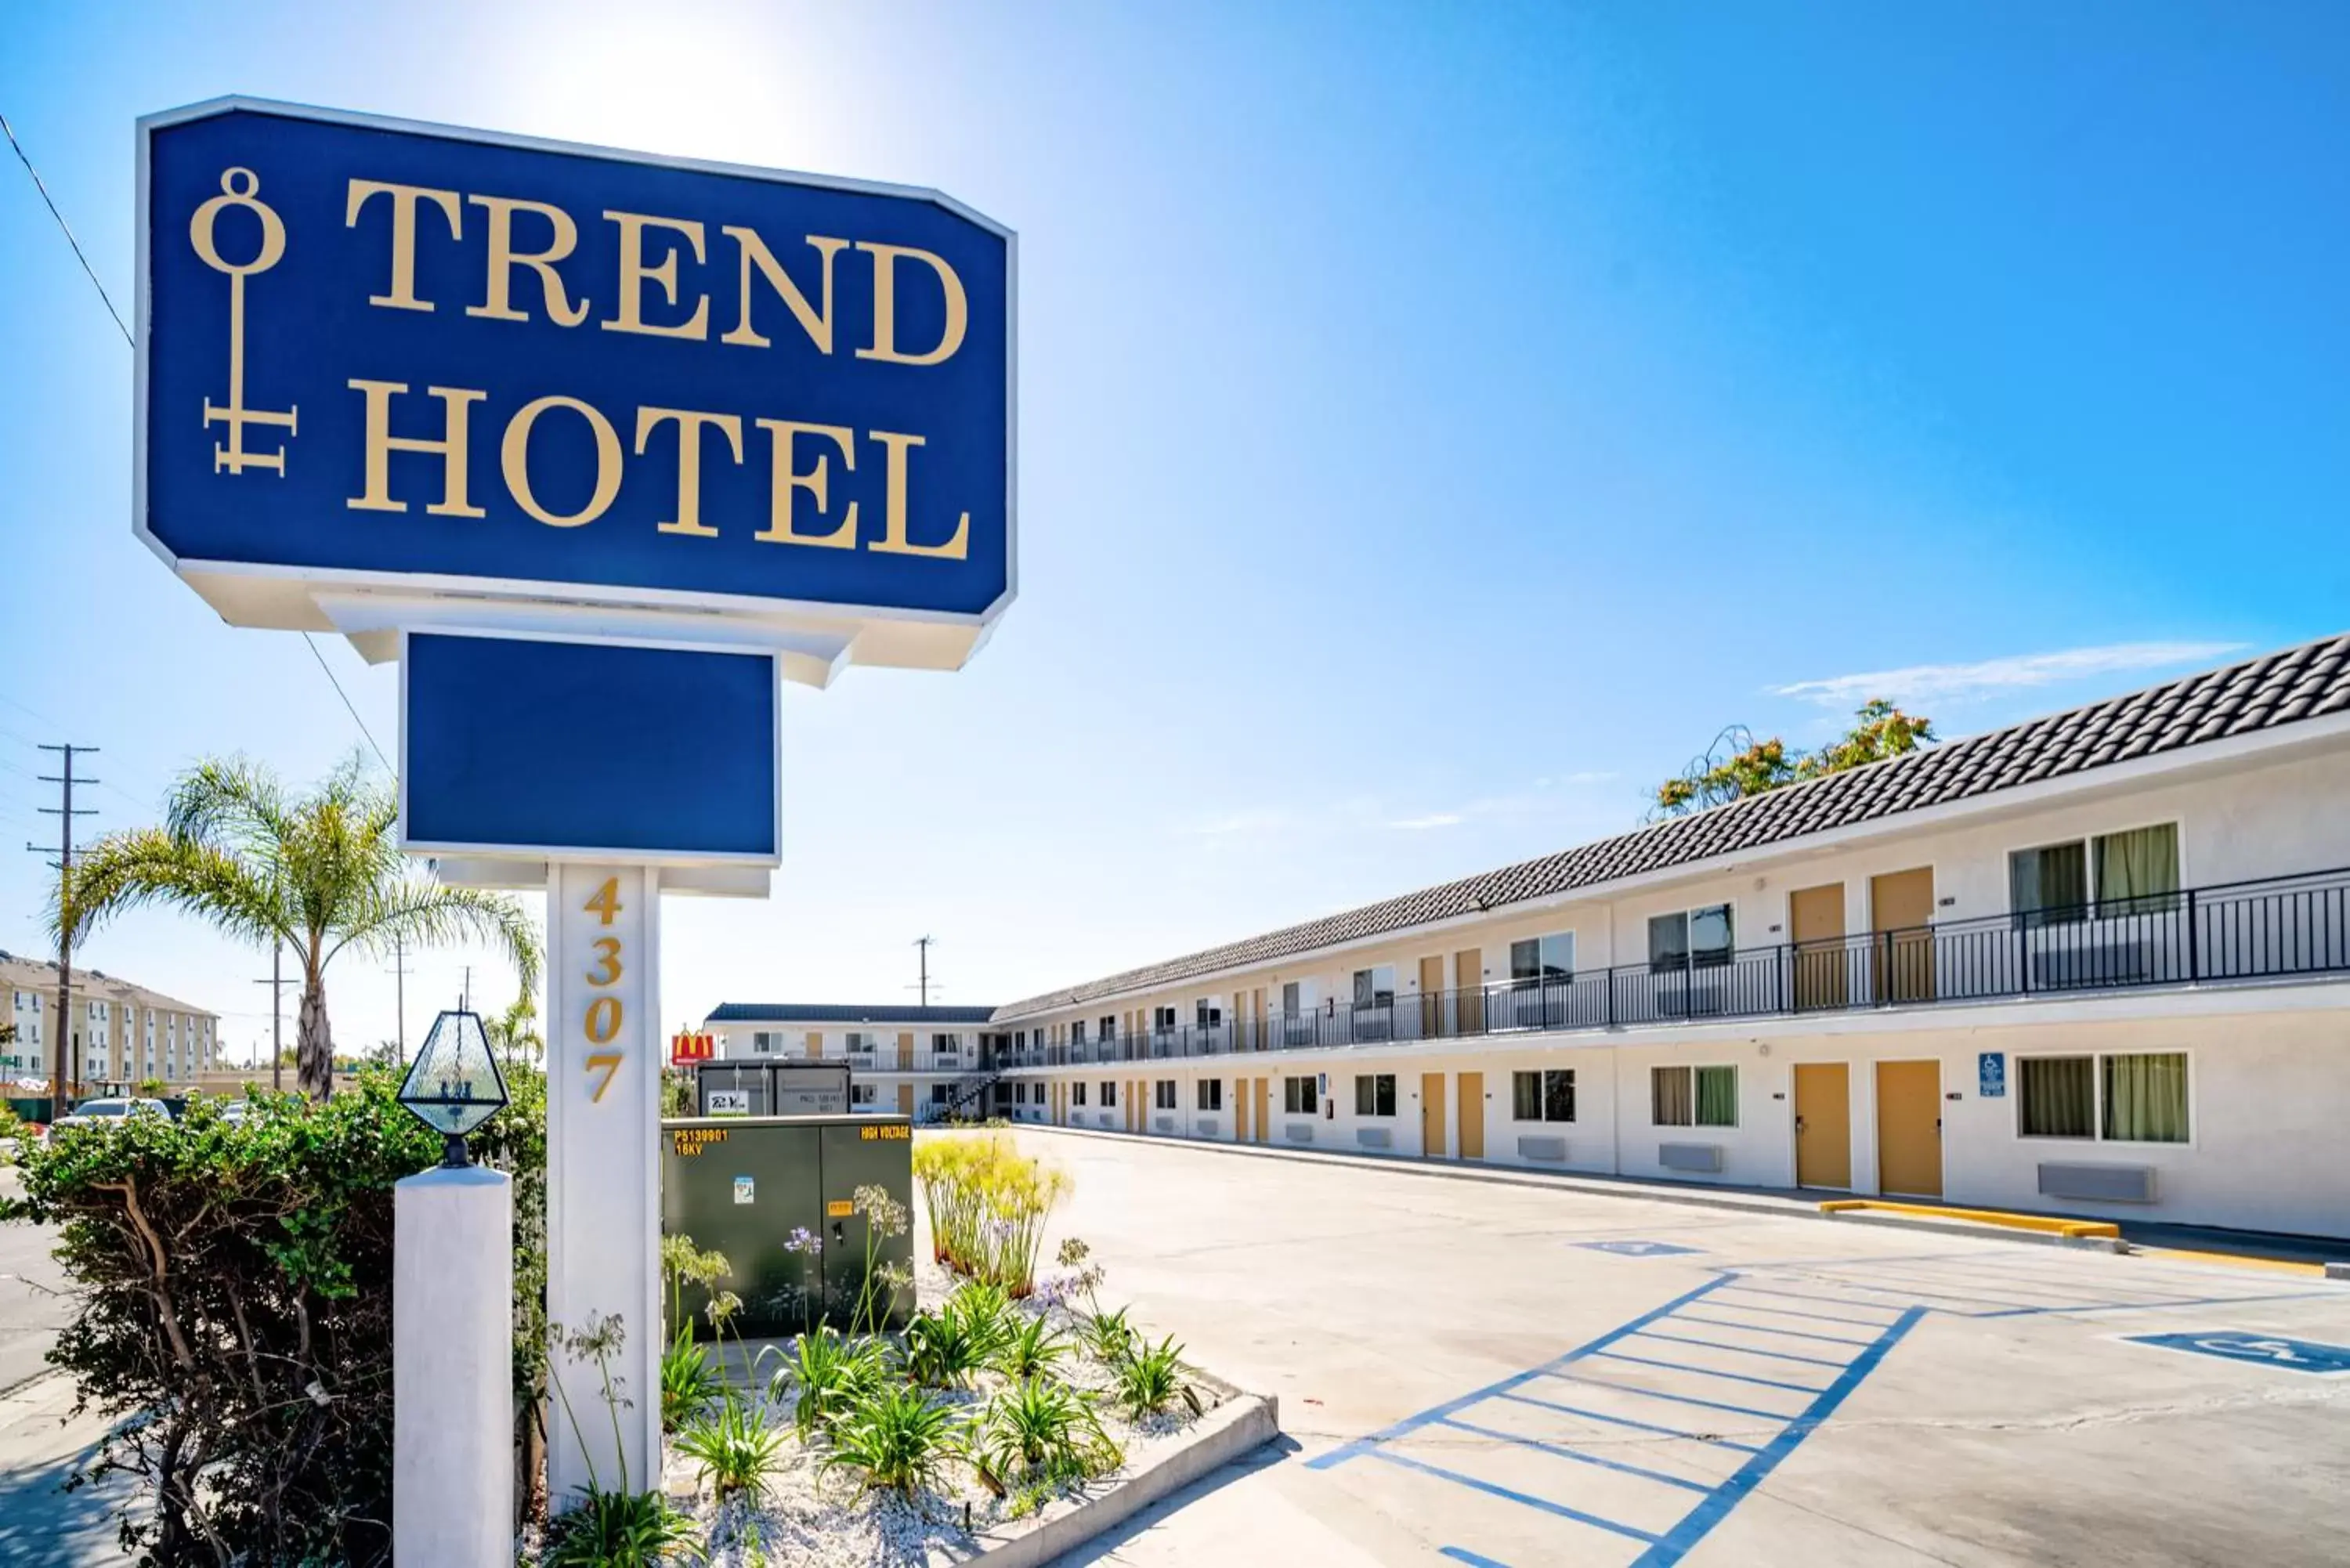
[1754,767]
[319,872]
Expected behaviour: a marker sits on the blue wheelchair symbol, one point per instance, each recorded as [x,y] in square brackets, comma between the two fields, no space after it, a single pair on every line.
[1637,1249]
[2261,1349]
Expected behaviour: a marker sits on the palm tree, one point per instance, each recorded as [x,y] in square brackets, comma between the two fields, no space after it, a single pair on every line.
[318,871]
[514,1032]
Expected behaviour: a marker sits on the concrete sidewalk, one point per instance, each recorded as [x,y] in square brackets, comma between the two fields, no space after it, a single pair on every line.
[42,1443]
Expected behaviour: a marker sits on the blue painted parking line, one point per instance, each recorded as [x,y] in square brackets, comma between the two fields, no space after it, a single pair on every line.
[1579,1411]
[1587,1382]
[1639,1248]
[1542,1503]
[1824,1301]
[1769,1327]
[1742,1349]
[1710,1372]
[1563,1451]
[1463,1554]
[2308,1356]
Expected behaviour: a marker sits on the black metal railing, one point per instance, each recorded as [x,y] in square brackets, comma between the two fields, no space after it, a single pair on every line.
[2277,929]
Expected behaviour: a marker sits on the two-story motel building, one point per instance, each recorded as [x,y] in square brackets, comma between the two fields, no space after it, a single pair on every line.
[915,1061]
[2098,962]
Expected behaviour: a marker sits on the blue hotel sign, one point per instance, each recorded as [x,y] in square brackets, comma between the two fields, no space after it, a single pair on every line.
[382,356]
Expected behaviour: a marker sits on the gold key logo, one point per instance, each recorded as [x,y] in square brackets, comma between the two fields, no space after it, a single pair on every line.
[241,188]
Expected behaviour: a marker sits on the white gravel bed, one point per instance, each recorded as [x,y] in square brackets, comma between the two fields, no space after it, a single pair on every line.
[821,1518]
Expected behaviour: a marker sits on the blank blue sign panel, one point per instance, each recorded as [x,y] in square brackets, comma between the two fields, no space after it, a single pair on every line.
[1638,1249]
[512,743]
[2263,1349]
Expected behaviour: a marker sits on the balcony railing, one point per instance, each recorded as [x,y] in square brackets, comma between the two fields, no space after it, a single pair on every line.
[2281,929]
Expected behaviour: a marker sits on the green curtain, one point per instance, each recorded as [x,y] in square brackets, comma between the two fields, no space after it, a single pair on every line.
[2059,1095]
[2145,1098]
[1717,1096]
[1669,1097]
[2138,864]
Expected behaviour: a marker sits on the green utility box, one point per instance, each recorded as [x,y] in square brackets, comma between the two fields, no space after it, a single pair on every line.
[743,1185]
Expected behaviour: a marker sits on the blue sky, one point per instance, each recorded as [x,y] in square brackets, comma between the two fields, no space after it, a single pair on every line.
[1436,423]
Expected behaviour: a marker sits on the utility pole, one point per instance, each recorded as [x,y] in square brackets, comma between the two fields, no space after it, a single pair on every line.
[69,1072]
[399,995]
[276,982]
[466,997]
[923,943]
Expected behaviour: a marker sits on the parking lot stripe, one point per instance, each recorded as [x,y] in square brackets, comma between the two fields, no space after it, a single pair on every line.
[1545,1504]
[1743,1349]
[1628,1421]
[1772,1416]
[1340,1455]
[1823,1316]
[1768,1328]
[1463,1554]
[1709,1372]
[1676,1542]
[1457,1424]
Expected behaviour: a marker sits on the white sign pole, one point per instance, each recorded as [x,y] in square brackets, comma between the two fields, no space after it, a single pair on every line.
[603,1189]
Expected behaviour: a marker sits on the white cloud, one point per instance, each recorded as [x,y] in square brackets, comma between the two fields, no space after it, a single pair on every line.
[1434,819]
[1962,682]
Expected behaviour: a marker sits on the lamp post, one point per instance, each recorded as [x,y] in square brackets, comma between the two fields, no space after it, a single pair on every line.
[455,1085]
[452,1317]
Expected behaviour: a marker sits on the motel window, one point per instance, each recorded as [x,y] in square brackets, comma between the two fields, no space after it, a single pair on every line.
[1297,1096]
[1109,1094]
[1162,1019]
[1693,1097]
[938,1094]
[1078,1093]
[1699,937]
[765,1042]
[1375,987]
[1207,1014]
[946,1045]
[2134,872]
[858,1043]
[1212,1094]
[1162,1095]
[1545,1097]
[1375,1094]
[1540,960]
[1108,1027]
[860,1093]
[2120,1097]
[1292,998]
[1077,1031]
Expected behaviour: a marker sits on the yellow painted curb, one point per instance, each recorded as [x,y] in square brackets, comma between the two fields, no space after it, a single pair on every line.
[2283,1265]
[2046,1224]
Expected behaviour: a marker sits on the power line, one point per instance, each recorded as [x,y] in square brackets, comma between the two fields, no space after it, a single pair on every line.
[354,713]
[67,230]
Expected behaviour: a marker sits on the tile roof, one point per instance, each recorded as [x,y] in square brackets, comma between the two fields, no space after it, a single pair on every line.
[2305,682]
[842,1012]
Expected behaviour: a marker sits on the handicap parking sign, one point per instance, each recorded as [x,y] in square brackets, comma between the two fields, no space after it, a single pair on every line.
[1637,1249]
[2263,1349]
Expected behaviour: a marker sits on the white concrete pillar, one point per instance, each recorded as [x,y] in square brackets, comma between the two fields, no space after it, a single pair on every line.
[603,1193]
[453,1464]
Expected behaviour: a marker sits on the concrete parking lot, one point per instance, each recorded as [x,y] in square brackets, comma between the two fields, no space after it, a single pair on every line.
[1481,1374]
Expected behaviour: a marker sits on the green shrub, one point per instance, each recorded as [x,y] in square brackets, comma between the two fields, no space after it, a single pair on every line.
[895,1440]
[1107,1336]
[987,1204]
[1040,1431]
[689,1382]
[1030,1350]
[235,1327]
[620,1529]
[825,1375]
[1150,1378]
[736,1446]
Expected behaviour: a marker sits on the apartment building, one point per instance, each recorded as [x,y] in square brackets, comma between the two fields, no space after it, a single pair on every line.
[2097,962]
[916,1061]
[123,1034]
